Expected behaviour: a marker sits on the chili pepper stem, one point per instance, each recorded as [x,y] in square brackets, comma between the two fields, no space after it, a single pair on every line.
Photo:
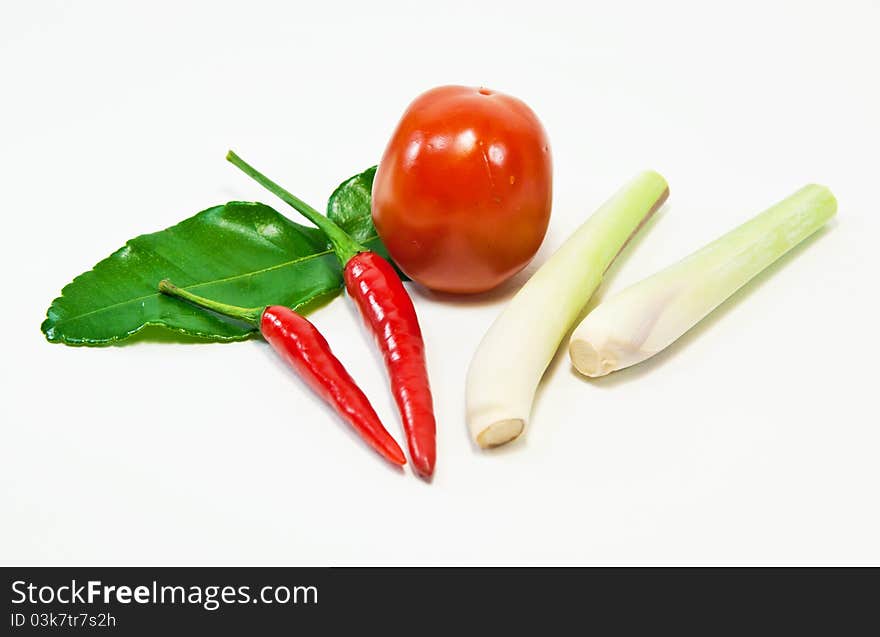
[344,246]
[251,316]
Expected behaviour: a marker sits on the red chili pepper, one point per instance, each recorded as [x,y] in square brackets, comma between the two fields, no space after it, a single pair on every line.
[388,312]
[303,347]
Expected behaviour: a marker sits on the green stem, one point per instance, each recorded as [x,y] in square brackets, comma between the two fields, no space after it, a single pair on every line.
[251,316]
[344,246]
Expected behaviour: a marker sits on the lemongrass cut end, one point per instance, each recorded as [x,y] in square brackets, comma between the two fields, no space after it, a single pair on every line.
[500,432]
[588,361]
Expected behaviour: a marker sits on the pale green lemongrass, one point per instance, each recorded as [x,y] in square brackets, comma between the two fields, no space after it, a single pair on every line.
[650,315]
[517,349]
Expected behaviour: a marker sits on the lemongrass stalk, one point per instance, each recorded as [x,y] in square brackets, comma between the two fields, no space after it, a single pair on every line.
[515,352]
[650,315]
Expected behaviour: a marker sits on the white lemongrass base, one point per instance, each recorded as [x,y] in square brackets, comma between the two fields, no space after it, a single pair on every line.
[515,352]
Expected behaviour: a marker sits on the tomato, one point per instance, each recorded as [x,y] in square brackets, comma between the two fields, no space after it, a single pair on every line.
[462,195]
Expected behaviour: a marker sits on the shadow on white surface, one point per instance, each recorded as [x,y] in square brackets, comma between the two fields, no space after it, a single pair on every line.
[502,293]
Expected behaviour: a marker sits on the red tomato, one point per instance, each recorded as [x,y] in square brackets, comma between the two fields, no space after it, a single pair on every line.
[462,195]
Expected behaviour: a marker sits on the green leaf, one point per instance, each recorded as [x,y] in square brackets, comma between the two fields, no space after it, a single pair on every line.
[241,253]
[349,207]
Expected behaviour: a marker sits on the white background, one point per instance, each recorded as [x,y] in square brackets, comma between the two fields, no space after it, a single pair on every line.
[753,440]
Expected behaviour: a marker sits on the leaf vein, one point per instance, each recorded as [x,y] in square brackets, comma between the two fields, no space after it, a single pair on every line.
[194,286]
